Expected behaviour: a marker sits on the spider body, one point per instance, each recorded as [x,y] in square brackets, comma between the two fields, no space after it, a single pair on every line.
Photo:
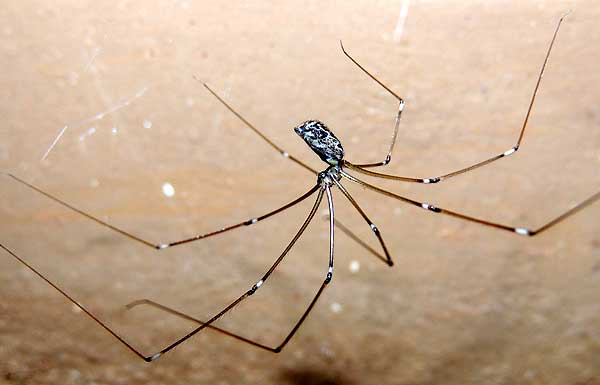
[322,141]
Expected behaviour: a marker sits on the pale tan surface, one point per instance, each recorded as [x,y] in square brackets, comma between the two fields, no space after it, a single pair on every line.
[463,305]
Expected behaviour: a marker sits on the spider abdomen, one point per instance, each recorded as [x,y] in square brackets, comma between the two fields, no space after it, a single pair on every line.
[321,140]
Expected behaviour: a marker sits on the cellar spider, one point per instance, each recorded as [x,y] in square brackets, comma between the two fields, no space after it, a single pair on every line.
[327,146]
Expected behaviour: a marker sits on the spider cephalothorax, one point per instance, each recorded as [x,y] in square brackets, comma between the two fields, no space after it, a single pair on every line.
[330,176]
[321,140]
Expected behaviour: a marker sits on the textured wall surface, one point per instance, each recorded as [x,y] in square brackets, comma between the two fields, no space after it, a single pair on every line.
[464,304]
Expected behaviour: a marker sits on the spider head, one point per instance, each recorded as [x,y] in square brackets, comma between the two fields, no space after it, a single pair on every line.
[321,140]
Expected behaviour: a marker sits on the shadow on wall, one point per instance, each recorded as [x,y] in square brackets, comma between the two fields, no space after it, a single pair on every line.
[313,377]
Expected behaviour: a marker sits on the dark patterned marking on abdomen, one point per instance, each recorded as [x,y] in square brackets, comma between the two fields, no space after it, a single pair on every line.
[321,140]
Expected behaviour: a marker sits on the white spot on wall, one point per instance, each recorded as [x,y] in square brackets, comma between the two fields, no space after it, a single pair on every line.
[354,266]
[168,189]
[327,351]
[335,307]
[399,30]
[147,123]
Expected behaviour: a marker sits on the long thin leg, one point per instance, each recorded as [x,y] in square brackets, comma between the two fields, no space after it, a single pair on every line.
[161,246]
[435,209]
[190,318]
[357,239]
[74,302]
[388,157]
[331,232]
[388,258]
[279,347]
[283,153]
[248,293]
[510,151]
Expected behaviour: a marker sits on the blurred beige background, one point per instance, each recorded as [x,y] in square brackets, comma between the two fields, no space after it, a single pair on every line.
[463,304]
